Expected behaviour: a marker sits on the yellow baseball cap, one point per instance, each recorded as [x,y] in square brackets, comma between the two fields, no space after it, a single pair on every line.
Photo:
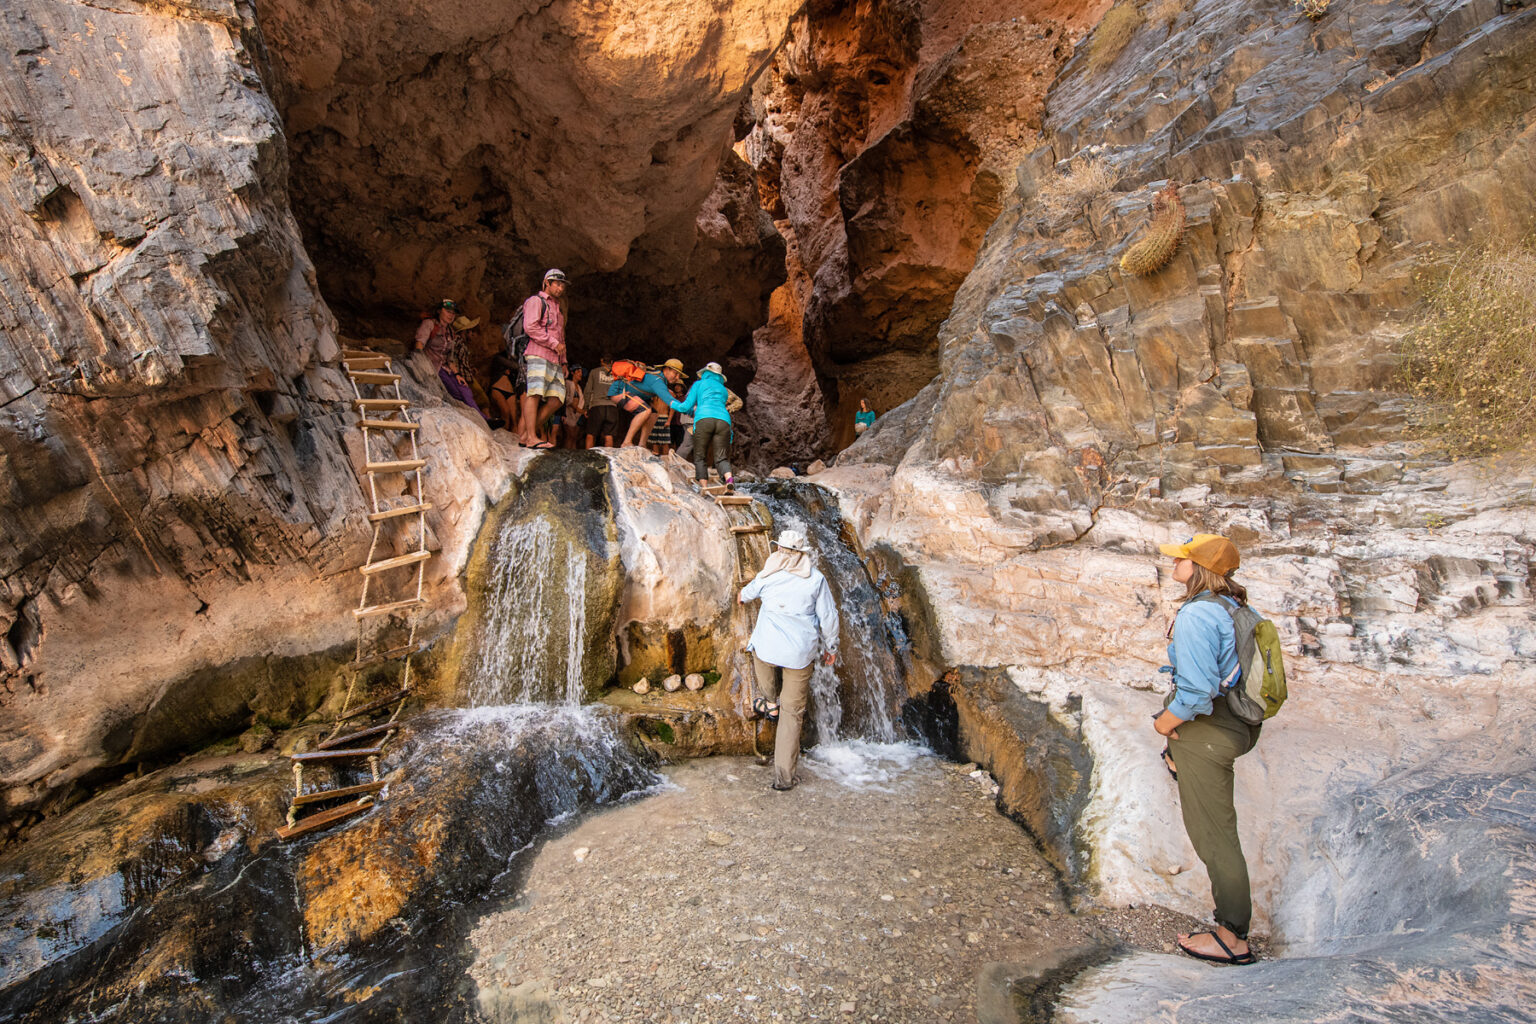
[1206,549]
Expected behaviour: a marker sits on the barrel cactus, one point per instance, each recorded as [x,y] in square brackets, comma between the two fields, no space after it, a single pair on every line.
[1163,236]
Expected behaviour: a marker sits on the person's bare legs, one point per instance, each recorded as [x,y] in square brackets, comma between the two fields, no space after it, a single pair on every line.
[639,426]
[546,410]
[526,421]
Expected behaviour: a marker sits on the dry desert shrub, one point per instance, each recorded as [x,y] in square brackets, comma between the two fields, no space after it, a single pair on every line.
[1313,9]
[1470,354]
[1163,13]
[1114,31]
[1085,178]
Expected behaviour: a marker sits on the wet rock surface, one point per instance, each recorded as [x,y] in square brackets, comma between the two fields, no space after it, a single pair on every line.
[171,900]
[903,896]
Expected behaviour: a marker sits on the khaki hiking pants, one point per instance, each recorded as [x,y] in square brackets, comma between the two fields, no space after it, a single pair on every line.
[1203,756]
[786,743]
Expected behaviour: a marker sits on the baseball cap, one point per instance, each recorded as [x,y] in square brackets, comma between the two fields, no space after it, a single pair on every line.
[1206,549]
[554,275]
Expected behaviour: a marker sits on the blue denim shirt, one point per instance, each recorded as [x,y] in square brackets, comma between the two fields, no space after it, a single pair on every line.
[1203,655]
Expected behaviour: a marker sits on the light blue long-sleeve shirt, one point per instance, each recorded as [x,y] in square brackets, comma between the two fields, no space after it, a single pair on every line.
[709,396]
[794,610]
[1203,655]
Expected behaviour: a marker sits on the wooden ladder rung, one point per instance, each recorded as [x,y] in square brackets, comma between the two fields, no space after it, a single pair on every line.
[755,528]
[389,425]
[380,403]
[388,609]
[370,361]
[716,488]
[391,513]
[324,818]
[401,466]
[319,796]
[361,734]
[394,563]
[732,499]
[373,377]
[348,353]
[374,705]
[337,755]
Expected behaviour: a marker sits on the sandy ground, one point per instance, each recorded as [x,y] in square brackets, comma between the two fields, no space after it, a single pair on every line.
[878,889]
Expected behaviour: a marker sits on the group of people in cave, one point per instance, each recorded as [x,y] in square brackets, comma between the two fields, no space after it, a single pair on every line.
[548,402]
[533,390]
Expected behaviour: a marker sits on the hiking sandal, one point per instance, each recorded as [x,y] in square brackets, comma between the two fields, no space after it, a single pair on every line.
[765,708]
[1168,764]
[1231,959]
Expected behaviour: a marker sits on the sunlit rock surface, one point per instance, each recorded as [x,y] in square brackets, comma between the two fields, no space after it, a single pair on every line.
[1083,417]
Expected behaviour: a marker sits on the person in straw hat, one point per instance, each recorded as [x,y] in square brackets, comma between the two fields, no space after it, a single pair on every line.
[1205,737]
[797,616]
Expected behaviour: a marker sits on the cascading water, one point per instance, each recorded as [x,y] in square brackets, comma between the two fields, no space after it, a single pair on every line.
[535,610]
[859,697]
[544,591]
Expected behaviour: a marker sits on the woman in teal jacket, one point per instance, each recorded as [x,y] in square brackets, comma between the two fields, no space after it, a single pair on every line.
[707,401]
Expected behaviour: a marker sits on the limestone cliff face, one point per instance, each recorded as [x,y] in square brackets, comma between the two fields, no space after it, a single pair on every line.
[180,501]
[1084,415]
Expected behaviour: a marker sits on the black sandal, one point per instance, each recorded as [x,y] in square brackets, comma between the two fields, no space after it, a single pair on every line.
[762,707]
[1168,764]
[1231,959]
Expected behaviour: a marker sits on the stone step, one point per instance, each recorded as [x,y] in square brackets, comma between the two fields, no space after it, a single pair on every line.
[399,561]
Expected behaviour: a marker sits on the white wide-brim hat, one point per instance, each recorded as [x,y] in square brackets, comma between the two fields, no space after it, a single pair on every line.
[793,540]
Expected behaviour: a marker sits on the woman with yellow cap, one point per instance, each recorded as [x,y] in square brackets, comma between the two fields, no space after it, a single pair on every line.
[1205,737]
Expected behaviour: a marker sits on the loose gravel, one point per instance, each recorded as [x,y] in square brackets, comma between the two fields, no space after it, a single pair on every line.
[876,890]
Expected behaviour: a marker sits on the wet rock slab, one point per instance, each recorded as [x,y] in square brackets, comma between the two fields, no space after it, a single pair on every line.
[169,900]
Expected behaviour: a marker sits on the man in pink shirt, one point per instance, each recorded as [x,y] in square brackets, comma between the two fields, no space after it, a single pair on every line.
[544,320]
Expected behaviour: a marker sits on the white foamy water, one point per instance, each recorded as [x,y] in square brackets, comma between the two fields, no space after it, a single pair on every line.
[863,764]
[535,621]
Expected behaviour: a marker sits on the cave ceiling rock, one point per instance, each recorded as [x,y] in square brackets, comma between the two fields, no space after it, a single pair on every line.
[457,149]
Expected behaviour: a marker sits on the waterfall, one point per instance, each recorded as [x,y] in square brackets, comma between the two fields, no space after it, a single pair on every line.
[858,698]
[527,652]
[544,588]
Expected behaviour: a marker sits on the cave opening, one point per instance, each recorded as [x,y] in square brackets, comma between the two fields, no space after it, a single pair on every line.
[796,193]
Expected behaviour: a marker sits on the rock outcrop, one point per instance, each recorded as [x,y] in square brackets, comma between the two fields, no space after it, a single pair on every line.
[883,141]
[1083,416]
[458,150]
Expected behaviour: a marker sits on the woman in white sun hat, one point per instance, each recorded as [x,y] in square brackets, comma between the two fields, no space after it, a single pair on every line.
[797,616]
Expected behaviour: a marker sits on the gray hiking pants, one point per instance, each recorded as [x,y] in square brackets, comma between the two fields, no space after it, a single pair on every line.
[711,443]
[797,686]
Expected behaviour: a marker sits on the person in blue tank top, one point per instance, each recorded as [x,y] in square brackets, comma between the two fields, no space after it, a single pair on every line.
[1205,737]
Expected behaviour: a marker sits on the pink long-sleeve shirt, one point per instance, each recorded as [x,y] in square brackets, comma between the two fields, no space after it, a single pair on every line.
[546,334]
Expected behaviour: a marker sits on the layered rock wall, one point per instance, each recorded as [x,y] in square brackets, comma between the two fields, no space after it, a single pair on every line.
[1084,415]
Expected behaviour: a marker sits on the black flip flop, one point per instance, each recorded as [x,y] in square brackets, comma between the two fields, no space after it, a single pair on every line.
[1230,960]
[1168,764]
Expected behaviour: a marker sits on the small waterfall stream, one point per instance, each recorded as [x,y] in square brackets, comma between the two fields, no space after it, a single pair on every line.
[859,697]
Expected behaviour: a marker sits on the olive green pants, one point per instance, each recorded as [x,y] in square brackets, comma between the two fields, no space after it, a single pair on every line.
[786,741]
[1203,755]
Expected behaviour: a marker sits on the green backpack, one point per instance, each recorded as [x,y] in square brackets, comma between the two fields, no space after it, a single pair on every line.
[1257,689]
